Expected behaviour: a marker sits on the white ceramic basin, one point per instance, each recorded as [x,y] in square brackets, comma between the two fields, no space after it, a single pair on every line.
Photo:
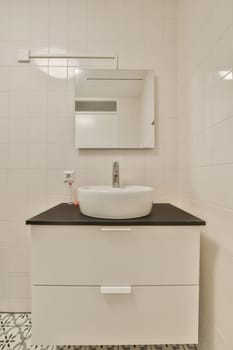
[115,203]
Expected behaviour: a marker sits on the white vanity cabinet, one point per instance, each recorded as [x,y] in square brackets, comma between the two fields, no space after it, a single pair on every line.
[106,285]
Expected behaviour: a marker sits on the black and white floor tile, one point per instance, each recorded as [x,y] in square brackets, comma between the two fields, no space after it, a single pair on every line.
[15,334]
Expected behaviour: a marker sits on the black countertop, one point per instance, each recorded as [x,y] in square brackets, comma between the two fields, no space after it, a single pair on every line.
[161,214]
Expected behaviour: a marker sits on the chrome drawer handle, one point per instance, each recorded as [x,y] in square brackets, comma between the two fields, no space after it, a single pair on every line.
[115,289]
[120,229]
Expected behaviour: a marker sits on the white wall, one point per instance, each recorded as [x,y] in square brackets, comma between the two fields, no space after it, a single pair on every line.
[37,120]
[206,154]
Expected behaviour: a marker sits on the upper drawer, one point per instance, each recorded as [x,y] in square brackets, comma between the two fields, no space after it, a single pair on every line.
[91,255]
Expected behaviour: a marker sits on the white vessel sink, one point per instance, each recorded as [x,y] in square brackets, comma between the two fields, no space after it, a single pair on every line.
[115,203]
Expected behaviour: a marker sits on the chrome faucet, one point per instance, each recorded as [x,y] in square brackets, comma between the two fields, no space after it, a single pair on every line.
[115,175]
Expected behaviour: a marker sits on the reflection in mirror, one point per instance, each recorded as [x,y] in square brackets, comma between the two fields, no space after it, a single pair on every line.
[114,108]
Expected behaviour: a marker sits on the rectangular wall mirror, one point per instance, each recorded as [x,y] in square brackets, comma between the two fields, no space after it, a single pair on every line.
[114,108]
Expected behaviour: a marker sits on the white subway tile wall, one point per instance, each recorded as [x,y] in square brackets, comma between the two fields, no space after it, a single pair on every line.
[205,148]
[37,119]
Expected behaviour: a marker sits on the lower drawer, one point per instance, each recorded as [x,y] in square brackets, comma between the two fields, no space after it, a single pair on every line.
[70,315]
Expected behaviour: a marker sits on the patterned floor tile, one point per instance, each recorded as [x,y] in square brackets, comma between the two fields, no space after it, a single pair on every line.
[7,319]
[26,332]
[166,347]
[29,346]
[22,320]
[107,347]
[11,338]
[75,347]
[140,347]
[137,347]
